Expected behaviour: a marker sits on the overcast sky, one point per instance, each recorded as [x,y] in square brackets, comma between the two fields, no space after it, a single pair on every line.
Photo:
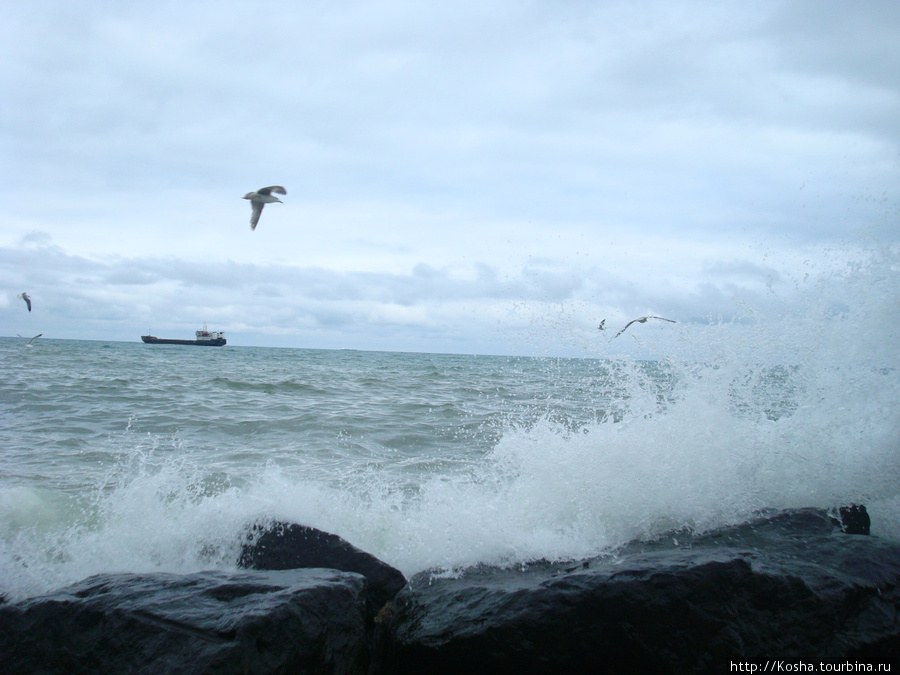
[473,177]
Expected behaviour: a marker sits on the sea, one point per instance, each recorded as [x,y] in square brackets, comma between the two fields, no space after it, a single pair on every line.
[126,457]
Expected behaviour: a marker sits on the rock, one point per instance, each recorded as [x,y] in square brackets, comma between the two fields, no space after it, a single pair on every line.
[284,546]
[786,587]
[303,621]
[854,519]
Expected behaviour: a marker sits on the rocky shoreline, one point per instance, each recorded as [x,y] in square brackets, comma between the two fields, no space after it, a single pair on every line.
[791,586]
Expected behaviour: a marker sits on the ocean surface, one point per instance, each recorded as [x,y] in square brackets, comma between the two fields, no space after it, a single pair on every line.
[125,457]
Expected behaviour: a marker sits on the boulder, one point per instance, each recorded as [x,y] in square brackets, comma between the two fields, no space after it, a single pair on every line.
[789,588]
[303,621]
[853,519]
[284,546]
[786,587]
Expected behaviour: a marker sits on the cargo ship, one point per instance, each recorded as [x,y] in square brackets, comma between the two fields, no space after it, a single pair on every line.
[205,338]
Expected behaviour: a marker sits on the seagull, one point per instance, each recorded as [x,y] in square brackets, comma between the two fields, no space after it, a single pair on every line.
[31,340]
[602,325]
[260,198]
[26,298]
[643,319]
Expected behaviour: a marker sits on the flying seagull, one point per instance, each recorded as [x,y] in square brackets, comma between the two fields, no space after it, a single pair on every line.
[31,340]
[602,325]
[27,299]
[643,319]
[260,198]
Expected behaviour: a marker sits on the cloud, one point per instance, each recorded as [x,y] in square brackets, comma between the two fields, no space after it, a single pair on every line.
[423,309]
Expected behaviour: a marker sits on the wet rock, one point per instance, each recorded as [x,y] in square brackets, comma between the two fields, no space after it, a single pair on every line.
[284,546]
[303,621]
[788,586]
[854,519]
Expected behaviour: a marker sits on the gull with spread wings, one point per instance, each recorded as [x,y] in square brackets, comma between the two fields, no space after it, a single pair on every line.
[260,198]
[643,319]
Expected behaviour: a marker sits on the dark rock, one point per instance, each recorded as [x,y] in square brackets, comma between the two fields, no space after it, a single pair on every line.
[854,519]
[284,546]
[305,621]
[786,587]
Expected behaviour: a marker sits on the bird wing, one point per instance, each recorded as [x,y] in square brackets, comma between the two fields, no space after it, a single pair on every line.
[662,318]
[35,338]
[626,327]
[277,189]
[254,217]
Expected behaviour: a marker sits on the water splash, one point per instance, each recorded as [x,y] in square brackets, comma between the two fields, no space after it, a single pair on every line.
[792,405]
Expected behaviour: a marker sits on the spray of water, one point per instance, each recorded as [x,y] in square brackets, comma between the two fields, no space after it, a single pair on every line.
[792,407]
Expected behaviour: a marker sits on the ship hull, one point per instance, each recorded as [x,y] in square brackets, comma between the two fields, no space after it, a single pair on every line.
[150,340]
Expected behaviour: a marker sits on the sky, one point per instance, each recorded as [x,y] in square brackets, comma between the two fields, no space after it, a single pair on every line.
[463,177]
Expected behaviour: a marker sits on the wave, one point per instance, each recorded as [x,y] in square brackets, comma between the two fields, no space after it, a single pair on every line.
[792,409]
[288,386]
